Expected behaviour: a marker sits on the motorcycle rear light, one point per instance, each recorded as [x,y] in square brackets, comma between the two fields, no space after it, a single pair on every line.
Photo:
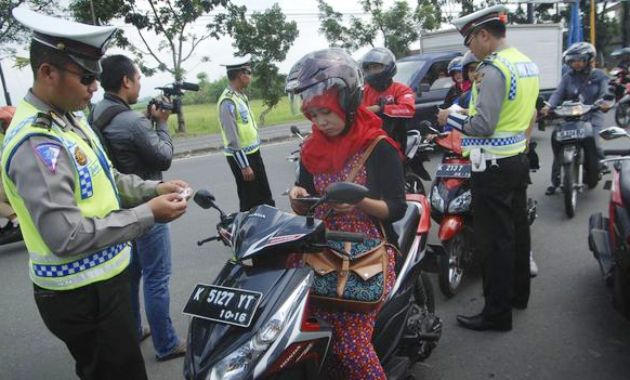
[453,183]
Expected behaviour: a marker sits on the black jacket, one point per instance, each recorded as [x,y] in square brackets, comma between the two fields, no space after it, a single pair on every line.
[136,147]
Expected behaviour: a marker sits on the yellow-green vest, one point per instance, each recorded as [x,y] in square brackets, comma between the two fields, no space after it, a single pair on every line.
[245,123]
[521,91]
[96,196]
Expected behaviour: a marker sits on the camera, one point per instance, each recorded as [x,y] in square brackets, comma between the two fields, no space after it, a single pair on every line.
[174,89]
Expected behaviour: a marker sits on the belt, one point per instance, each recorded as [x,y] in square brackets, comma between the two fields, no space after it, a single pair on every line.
[496,157]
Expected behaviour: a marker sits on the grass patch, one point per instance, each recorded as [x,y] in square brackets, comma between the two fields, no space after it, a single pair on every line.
[202,119]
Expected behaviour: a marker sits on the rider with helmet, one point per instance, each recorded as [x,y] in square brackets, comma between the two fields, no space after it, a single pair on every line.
[393,102]
[454,69]
[469,67]
[624,55]
[585,84]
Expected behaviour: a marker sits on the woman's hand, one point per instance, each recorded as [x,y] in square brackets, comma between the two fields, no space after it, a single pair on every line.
[298,207]
[342,207]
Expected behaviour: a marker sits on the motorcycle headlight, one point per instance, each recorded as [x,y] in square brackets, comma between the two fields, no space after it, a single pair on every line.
[239,363]
[437,203]
[461,203]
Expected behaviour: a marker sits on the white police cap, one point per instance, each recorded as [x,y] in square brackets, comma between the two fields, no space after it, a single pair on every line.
[84,44]
[237,63]
[467,24]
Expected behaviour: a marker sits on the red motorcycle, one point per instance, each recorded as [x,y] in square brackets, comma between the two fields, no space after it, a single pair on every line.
[621,83]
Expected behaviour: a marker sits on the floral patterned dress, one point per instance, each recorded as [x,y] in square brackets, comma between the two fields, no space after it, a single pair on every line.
[353,355]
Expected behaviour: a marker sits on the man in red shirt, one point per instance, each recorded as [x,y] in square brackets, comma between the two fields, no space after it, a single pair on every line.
[393,102]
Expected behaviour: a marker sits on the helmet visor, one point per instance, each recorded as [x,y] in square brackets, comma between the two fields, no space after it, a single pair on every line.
[321,95]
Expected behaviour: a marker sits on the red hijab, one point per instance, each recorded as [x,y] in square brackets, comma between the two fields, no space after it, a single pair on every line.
[323,154]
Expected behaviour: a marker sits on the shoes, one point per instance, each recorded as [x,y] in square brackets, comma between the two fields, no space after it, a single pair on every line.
[518,305]
[550,190]
[481,323]
[533,268]
[146,332]
[180,350]
[10,233]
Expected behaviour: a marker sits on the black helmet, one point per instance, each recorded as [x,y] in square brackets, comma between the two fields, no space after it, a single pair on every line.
[317,72]
[381,80]
[580,50]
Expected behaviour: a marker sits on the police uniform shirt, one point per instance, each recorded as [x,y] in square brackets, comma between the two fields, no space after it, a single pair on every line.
[227,116]
[490,96]
[50,199]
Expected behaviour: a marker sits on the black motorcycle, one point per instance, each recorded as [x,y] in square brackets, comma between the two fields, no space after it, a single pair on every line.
[415,156]
[253,321]
[609,237]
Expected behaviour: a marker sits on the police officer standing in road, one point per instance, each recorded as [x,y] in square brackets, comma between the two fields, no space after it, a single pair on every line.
[74,209]
[241,142]
[500,113]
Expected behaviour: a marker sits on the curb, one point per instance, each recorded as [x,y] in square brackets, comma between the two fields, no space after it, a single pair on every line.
[218,147]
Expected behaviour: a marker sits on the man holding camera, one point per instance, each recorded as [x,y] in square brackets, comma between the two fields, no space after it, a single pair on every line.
[241,141]
[136,147]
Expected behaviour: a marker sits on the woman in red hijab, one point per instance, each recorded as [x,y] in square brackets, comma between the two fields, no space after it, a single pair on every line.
[329,85]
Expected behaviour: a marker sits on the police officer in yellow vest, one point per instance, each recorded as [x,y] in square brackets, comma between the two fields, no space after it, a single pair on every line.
[77,214]
[241,142]
[495,138]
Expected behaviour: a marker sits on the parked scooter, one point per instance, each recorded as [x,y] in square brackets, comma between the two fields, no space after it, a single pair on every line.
[415,155]
[253,322]
[621,84]
[575,136]
[609,237]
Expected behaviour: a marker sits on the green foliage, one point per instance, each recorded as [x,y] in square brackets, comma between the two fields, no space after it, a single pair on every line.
[11,31]
[398,26]
[267,36]
[209,92]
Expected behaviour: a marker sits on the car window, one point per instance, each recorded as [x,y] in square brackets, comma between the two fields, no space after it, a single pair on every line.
[441,84]
[406,71]
[437,71]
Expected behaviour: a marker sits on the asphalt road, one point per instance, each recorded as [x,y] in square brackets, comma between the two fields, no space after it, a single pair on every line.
[569,331]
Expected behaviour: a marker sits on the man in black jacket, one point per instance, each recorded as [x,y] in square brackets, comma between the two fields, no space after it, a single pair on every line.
[136,147]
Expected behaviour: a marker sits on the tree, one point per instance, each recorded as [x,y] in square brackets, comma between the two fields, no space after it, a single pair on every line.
[398,26]
[267,37]
[171,21]
[12,33]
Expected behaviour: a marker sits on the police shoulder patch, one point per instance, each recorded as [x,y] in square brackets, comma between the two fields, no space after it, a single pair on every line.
[231,107]
[49,153]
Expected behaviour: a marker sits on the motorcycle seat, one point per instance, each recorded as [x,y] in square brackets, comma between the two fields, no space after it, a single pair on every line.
[624,182]
[406,228]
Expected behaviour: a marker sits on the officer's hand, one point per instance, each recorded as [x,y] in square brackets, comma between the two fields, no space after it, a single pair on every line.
[442,117]
[248,174]
[169,187]
[545,110]
[300,208]
[167,207]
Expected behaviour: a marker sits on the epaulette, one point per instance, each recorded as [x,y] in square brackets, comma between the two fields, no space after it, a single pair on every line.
[490,57]
[43,120]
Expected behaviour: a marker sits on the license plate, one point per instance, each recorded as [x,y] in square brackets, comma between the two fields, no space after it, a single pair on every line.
[223,305]
[453,171]
[571,134]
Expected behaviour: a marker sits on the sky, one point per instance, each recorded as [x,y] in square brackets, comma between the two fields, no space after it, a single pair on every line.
[304,12]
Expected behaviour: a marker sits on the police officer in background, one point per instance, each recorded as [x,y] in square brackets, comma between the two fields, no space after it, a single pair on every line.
[76,213]
[500,114]
[241,142]
[393,102]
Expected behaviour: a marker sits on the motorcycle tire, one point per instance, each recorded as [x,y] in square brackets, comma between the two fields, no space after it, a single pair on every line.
[425,296]
[452,268]
[569,190]
[413,184]
[622,115]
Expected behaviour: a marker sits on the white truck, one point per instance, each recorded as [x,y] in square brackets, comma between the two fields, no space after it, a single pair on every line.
[542,43]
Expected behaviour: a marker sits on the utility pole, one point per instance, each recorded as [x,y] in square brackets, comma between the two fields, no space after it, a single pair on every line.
[592,22]
[93,14]
[7,97]
[625,24]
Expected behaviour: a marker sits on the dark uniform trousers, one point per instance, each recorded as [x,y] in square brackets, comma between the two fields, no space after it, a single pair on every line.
[502,237]
[253,193]
[96,324]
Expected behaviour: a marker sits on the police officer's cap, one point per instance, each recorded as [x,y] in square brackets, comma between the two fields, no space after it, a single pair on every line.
[238,63]
[467,24]
[84,44]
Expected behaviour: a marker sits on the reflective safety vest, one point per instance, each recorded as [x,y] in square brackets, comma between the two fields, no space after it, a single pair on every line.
[95,192]
[245,123]
[521,91]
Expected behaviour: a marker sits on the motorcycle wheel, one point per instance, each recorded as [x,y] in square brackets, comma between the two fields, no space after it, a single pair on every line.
[425,297]
[622,115]
[413,184]
[569,189]
[451,271]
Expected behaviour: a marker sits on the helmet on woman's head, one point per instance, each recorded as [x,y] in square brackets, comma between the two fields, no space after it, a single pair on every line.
[468,59]
[382,79]
[454,65]
[580,51]
[319,73]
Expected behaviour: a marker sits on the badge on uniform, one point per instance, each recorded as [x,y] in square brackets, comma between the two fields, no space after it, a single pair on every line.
[85,178]
[49,153]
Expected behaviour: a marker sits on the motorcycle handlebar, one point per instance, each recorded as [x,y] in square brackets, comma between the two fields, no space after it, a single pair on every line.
[353,237]
[617,152]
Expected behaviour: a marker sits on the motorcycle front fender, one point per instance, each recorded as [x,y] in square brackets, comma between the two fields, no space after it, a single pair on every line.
[568,154]
[450,226]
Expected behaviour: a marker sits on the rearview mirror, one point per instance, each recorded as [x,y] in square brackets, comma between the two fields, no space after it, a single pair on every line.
[613,132]
[204,199]
[346,192]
